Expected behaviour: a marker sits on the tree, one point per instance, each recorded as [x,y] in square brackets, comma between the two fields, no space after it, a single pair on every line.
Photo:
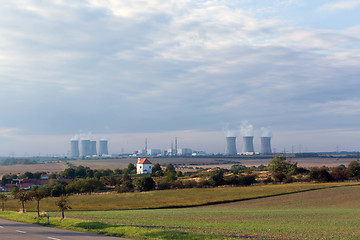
[3,199]
[282,165]
[23,197]
[68,173]
[88,185]
[57,189]
[354,169]
[80,172]
[217,177]
[38,195]
[145,184]
[63,205]
[14,190]
[156,167]
[170,168]
[131,168]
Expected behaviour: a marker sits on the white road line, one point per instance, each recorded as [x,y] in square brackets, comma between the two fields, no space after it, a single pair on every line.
[53,238]
[20,231]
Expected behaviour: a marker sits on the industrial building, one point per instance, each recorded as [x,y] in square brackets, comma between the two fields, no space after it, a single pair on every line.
[230,146]
[248,145]
[265,145]
[87,148]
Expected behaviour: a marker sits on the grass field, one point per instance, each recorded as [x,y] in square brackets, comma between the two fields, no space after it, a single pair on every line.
[172,198]
[322,214]
[328,213]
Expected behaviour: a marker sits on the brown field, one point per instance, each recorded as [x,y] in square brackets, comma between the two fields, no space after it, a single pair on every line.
[43,167]
[184,164]
[208,162]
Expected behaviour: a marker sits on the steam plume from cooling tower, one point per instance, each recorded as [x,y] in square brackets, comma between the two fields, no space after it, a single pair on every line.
[266,132]
[229,131]
[246,129]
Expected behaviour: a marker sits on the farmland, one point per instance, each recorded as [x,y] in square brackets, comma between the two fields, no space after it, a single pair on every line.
[173,198]
[321,214]
[328,213]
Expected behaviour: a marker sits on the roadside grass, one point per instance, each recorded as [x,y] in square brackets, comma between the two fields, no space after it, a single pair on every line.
[114,230]
[173,198]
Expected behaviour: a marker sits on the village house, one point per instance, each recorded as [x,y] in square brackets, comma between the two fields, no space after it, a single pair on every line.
[144,166]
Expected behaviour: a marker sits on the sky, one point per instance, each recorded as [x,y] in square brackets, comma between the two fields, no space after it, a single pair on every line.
[131,69]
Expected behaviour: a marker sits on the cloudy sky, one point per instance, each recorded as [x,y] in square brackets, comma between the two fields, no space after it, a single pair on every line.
[132,69]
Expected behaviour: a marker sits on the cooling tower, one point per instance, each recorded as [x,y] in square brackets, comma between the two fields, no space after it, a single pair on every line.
[265,145]
[74,148]
[85,149]
[103,147]
[248,145]
[230,146]
[93,148]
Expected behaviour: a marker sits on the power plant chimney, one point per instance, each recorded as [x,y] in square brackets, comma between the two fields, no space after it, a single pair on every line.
[248,145]
[265,145]
[103,147]
[74,148]
[230,146]
[176,147]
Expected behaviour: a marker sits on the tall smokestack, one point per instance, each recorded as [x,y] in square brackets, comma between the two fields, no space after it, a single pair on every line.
[146,146]
[176,149]
[248,145]
[265,145]
[230,146]
[103,147]
[74,148]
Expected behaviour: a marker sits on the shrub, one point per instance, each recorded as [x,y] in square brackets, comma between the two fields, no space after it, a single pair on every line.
[145,184]
[340,174]
[125,186]
[190,184]
[320,174]
[163,184]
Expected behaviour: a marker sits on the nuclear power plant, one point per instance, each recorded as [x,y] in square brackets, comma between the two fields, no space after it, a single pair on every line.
[103,147]
[87,148]
[74,148]
[265,147]
[248,146]
[230,146]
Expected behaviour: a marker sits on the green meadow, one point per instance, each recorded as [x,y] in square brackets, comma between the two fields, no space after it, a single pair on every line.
[172,198]
[326,213]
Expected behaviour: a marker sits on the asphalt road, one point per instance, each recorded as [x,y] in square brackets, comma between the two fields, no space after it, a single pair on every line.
[10,230]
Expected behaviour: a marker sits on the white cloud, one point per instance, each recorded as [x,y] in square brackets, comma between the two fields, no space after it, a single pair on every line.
[138,66]
[341,5]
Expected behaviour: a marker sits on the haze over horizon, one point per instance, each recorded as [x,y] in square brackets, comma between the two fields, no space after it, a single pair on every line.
[126,70]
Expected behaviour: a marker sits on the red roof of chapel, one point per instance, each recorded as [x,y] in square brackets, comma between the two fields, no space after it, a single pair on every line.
[144,161]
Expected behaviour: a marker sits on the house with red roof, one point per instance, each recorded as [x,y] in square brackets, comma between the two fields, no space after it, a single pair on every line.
[144,166]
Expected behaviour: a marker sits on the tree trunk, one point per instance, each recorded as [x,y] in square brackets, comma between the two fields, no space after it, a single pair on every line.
[23,206]
[62,214]
[2,206]
[38,207]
